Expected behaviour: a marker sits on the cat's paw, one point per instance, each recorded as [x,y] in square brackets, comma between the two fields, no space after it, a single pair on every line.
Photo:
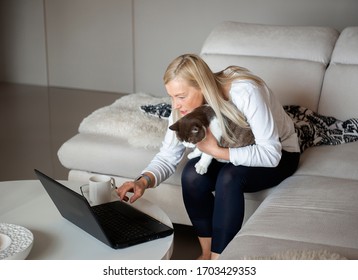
[201,169]
[193,155]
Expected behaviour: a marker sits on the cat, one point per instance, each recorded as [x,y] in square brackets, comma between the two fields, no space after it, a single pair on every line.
[191,129]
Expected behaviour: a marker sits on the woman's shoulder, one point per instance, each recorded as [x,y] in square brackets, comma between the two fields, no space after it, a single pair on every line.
[244,85]
[241,89]
[245,94]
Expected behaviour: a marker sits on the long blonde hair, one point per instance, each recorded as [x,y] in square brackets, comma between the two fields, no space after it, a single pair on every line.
[197,73]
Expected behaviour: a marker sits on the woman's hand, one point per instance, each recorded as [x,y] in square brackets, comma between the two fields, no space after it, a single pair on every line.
[135,187]
[209,145]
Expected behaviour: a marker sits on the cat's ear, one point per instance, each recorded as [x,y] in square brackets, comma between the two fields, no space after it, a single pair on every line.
[174,127]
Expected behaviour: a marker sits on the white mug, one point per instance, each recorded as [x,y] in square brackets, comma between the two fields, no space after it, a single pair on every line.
[100,189]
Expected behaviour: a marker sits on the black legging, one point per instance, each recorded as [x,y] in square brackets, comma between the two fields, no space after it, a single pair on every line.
[220,216]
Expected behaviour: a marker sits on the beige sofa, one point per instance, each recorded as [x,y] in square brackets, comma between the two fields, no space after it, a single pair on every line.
[316,208]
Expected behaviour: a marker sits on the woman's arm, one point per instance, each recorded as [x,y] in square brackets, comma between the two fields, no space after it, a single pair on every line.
[210,146]
[164,163]
[159,169]
[255,103]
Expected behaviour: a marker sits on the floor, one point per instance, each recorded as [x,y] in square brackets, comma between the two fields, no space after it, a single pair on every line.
[35,121]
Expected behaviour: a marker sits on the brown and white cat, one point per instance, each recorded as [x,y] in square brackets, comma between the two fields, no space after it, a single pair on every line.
[191,129]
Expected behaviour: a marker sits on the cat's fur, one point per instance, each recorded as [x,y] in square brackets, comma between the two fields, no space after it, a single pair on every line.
[191,129]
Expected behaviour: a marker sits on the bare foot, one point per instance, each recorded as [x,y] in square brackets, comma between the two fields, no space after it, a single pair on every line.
[212,256]
[202,257]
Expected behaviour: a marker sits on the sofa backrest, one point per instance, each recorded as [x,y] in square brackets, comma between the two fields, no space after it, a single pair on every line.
[340,87]
[291,59]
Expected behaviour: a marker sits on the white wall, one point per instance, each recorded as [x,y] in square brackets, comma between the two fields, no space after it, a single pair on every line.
[90,44]
[125,45]
[23,53]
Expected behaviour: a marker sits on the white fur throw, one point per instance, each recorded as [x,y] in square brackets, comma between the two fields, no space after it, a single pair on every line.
[124,119]
[301,255]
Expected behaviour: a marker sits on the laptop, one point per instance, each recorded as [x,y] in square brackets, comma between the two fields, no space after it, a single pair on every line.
[117,224]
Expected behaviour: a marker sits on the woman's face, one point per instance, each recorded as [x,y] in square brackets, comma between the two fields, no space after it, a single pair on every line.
[185,98]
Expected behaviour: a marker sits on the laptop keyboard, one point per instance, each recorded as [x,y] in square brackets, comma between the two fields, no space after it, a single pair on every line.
[117,225]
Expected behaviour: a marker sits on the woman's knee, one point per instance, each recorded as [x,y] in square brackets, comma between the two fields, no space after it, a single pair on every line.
[232,175]
[188,175]
[192,181]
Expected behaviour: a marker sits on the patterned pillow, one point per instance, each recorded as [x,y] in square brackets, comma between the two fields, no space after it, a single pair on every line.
[314,129]
[161,110]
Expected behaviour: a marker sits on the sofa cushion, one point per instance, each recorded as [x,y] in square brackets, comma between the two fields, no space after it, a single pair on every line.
[304,212]
[340,91]
[331,161]
[345,50]
[291,59]
[303,91]
[292,42]
[108,155]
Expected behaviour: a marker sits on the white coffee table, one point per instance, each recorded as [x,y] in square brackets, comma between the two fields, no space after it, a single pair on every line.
[27,204]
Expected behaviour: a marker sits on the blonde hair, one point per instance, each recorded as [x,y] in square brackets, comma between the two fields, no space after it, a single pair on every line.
[197,73]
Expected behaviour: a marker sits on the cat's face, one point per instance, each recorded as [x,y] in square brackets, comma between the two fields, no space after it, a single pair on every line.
[189,130]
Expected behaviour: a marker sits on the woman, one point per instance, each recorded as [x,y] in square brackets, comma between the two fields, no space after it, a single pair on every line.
[236,94]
